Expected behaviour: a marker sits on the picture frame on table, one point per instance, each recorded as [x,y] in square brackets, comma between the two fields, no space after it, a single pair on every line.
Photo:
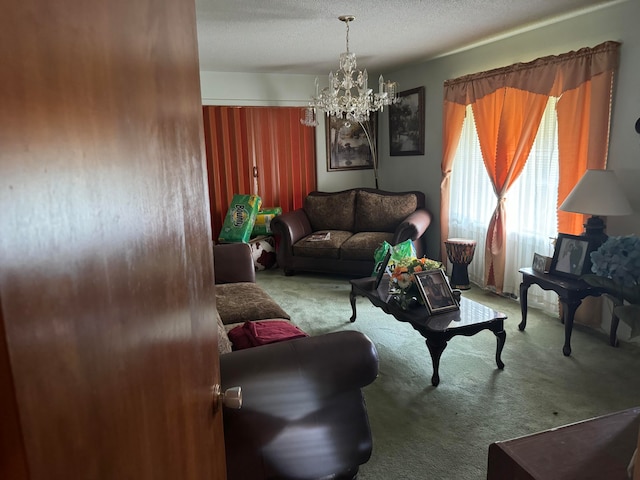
[381,268]
[347,144]
[406,123]
[436,291]
[541,263]
[572,256]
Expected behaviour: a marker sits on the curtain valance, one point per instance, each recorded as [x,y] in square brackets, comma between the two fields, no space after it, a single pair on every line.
[550,76]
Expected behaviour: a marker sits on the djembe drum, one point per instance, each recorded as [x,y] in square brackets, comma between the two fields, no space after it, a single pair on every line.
[460,252]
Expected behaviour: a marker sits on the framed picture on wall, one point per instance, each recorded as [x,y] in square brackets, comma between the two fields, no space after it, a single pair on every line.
[347,144]
[406,123]
[572,255]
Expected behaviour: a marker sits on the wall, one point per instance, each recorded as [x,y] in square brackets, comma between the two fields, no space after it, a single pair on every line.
[243,89]
[617,22]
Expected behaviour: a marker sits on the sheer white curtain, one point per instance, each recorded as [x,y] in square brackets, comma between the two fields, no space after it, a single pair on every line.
[532,220]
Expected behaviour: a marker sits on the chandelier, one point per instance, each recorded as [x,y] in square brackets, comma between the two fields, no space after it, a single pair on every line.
[348,95]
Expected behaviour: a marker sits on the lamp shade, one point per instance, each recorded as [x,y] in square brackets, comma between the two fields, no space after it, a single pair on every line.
[597,193]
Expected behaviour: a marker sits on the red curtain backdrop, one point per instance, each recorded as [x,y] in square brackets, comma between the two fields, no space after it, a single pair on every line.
[264,151]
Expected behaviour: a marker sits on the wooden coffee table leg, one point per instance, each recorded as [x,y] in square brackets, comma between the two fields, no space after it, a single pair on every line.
[435,349]
[501,337]
[352,300]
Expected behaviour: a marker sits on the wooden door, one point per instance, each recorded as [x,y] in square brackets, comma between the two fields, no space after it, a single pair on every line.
[108,345]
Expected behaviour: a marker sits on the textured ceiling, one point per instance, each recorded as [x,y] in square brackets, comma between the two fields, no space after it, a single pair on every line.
[306,37]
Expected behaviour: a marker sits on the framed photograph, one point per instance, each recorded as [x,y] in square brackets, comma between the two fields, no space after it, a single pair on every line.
[406,123]
[347,144]
[541,263]
[381,268]
[436,291]
[571,257]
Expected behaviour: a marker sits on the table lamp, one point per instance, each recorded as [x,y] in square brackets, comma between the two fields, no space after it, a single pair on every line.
[598,194]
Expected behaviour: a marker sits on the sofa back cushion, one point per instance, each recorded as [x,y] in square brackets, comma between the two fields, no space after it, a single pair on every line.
[377,212]
[331,211]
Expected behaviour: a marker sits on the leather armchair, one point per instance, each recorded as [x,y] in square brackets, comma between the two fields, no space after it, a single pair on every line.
[303,413]
[233,263]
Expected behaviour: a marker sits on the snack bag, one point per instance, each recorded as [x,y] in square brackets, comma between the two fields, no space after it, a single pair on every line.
[402,250]
[378,256]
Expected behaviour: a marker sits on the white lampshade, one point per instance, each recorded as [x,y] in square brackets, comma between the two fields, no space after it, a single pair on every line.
[597,193]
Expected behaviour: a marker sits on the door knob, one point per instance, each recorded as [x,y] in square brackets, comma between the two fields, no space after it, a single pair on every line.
[230,398]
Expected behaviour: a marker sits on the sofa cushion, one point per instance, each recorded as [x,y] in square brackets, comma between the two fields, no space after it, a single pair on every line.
[333,211]
[254,334]
[224,344]
[382,213]
[362,246]
[329,248]
[242,301]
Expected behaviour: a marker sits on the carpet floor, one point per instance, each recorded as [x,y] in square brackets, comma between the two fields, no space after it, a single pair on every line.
[443,433]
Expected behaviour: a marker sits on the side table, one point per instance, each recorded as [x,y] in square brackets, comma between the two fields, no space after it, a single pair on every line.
[570,292]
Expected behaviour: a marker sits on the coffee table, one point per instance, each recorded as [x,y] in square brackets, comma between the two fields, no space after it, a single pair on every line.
[472,318]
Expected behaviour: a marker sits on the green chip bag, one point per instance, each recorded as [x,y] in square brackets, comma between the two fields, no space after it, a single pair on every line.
[402,250]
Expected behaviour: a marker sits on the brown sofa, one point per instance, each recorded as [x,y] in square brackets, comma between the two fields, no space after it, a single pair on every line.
[358,221]
[303,414]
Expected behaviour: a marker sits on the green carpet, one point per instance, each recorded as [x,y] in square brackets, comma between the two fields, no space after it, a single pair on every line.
[443,433]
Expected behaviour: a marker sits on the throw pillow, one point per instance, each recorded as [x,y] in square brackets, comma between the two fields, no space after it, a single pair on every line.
[242,301]
[331,212]
[382,213]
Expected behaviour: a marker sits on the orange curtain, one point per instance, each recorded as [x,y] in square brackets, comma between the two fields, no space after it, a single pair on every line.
[264,151]
[453,121]
[508,104]
[507,121]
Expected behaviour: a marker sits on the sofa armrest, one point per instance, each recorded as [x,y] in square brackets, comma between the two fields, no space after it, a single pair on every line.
[412,227]
[333,362]
[232,263]
[290,227]
[303,414]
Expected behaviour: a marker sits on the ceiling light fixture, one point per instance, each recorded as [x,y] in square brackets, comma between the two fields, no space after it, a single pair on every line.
[348,95]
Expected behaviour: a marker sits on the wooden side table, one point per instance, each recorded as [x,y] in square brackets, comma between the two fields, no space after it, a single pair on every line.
[570,292]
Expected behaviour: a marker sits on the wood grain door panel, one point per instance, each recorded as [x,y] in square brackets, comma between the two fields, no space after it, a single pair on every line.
[106,280]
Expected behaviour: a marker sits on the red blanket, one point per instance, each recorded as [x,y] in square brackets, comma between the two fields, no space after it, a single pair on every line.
[253,334]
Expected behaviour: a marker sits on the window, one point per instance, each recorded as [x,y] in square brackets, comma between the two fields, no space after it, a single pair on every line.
[531,205]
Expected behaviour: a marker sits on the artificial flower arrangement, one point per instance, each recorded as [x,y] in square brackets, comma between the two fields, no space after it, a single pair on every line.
[616,269]
[403,269]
